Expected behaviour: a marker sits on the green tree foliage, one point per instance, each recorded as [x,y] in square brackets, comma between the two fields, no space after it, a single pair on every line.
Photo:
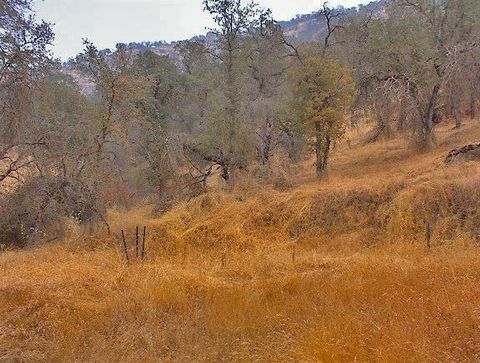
[232,141]
[61,176]
[162,97]
[236,100]
[409,56]
[268,64]
[322,91]
[23,59]
[23,42]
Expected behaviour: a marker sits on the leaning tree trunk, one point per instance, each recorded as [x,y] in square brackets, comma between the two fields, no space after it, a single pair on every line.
[427,136]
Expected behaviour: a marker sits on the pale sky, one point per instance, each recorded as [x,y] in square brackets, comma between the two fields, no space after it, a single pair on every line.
[108,22]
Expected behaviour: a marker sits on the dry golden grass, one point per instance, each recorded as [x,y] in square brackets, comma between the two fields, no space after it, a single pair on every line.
[337,270]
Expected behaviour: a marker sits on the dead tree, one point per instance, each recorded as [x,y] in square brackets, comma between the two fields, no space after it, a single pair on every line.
[331,18]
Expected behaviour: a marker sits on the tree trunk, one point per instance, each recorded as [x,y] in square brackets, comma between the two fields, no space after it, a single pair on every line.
[457,115]
[384,129]
[226,173]
[319,152]
[267,141]
[427,137]
[402,117]
[232,110]
[326,153]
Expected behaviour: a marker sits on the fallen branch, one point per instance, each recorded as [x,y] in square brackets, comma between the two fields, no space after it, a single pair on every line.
[468,152]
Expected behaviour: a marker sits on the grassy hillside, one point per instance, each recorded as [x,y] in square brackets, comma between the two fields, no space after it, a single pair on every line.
[339,270]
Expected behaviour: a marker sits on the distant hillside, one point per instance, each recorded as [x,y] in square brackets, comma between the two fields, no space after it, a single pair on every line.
[302,28]
[310,27]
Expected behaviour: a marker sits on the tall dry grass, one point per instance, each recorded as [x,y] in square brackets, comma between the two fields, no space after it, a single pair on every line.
[333,271]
